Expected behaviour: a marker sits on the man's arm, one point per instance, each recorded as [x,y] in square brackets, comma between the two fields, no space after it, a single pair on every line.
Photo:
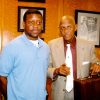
[95,68]
[63,70]
[3,83]
[95,63]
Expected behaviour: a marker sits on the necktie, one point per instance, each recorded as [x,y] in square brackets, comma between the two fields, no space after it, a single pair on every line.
[68,61]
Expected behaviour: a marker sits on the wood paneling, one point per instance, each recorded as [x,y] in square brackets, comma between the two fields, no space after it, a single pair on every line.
[97,52]
[54,10]
[71,5]
[87,89]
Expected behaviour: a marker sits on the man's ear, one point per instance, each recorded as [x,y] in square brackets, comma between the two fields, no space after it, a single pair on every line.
[23,24]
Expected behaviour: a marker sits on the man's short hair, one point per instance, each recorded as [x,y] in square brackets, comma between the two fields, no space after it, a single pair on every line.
[31,11]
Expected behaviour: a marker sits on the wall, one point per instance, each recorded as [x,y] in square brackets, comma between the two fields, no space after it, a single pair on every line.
[9,14]
[97,52]
[8,20]
[54,10]
[71,5]
[0,21]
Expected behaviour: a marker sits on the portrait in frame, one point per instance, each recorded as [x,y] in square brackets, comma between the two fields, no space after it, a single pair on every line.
[88,25]
[22,10]
[41,1]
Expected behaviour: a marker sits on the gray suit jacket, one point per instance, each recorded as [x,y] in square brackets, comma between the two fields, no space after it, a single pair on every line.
[57,58]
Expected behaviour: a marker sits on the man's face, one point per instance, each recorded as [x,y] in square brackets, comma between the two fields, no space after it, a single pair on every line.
[33,25]
[67,29]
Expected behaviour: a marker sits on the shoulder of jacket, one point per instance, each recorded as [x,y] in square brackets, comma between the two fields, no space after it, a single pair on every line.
[55,40]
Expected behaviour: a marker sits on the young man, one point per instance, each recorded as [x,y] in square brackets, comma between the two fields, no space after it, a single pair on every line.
[24,61]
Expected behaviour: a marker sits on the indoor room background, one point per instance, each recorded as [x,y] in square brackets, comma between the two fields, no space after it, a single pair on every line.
[55,9]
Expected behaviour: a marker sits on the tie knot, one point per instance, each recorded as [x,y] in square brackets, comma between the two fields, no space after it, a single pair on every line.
[68,45]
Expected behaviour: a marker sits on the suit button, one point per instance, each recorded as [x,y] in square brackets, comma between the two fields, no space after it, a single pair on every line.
[64,90]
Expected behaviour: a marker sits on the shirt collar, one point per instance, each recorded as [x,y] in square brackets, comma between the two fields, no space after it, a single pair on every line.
[73,43]
[27,41]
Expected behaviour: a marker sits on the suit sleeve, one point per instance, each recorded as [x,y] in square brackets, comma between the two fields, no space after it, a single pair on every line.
[50,68]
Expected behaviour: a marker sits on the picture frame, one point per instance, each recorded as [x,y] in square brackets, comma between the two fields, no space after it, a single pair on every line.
[88,25]
[41,1]
[22,10]
[97,46]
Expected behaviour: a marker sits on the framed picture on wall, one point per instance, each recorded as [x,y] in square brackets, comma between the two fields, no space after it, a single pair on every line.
[88,23]
[41,1]
[22,10]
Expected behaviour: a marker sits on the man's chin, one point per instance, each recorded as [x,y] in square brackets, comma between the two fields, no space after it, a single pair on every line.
[35,36]
[67,38]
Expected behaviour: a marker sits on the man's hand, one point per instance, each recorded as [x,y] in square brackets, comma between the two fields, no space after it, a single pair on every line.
[95,68]
[62,70]
[3,83]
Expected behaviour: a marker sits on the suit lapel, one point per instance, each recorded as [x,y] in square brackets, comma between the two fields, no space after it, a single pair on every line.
[60,49]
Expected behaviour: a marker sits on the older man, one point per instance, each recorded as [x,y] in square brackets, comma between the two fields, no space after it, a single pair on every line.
[62,67]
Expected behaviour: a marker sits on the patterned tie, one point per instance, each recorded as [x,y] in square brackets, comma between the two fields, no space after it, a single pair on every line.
[68,61]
